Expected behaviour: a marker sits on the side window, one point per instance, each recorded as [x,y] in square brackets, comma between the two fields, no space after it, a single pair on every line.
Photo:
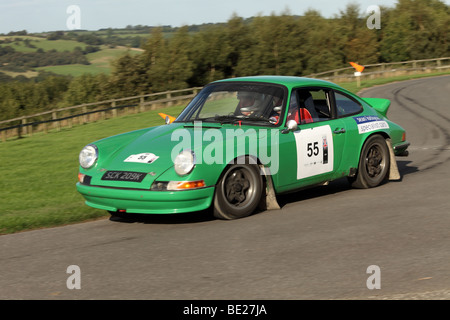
[345,105]
[309,105]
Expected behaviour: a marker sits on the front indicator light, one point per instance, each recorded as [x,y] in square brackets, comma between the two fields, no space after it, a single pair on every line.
[177,185]
[183,185]
[81,177]
[84,179]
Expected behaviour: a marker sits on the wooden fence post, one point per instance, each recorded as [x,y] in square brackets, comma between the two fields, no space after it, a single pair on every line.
[114,111]
[85,116]
[57,124]
[24,126]
[141,107]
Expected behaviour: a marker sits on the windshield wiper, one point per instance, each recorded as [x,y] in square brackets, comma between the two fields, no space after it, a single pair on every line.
[222,119]
[234,119]
[261,118]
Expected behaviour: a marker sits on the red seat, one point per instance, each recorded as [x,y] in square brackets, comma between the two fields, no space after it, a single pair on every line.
[293,116]
[301,116]
[305,116]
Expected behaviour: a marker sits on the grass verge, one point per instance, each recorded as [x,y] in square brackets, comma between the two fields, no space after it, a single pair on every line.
[38,173]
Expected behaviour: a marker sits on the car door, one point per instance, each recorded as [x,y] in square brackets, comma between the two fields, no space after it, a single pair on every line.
[346,108]
[312,153]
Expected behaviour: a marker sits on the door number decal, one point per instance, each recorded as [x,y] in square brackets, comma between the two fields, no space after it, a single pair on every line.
[314,151]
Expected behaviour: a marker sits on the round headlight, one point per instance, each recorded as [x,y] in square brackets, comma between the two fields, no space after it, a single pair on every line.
[184,162]
[88,156]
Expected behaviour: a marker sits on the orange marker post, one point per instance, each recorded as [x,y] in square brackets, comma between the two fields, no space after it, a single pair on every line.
[359,69]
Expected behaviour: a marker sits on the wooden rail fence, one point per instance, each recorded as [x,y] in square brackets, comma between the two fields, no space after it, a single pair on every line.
[89,112]
[378,70]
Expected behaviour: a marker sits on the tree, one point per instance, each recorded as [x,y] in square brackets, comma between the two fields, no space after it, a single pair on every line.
[323,43]
[209,56]
[240,41]
[85,88]
[272,48]
[153,60]
[129,76]
[179,63]
[416,29]
[170,65]
[360,43]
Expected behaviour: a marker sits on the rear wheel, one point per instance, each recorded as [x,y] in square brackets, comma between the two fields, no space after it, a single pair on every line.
[374,163]
[238,192]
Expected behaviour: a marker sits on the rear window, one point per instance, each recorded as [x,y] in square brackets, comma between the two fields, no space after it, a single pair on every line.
[345,105]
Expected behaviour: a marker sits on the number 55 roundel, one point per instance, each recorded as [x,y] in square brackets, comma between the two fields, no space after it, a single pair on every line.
[314,151]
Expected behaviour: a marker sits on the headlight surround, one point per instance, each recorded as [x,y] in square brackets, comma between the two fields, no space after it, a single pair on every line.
[184,162]
[88,156]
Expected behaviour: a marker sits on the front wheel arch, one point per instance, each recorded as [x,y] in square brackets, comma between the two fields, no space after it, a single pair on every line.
[239,189]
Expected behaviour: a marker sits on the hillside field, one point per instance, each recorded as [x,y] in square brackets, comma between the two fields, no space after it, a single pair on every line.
[100,61]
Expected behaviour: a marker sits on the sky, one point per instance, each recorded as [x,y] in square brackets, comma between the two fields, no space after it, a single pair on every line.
[53,15]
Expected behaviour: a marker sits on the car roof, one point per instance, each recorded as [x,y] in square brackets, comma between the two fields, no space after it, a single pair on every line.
[288,81]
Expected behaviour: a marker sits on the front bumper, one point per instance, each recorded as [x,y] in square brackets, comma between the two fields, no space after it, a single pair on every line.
[400,149]
[146,201]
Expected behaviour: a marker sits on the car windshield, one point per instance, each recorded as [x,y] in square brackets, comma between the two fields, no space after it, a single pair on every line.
[236,102]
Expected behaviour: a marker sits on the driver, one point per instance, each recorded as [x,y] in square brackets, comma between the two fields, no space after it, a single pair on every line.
[248,102]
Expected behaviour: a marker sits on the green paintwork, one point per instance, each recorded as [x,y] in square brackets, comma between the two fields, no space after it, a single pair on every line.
[380,105]
[137,197]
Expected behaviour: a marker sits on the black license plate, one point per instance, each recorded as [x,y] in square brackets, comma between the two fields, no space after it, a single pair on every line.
[124,176]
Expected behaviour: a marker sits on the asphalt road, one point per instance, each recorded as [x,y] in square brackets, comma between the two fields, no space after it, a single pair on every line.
[318,246]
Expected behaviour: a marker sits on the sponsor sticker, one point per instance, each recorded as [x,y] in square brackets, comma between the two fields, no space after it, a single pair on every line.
[370,123]
[142,158]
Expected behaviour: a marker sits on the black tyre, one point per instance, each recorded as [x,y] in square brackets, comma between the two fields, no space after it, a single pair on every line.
[238,192]
[374,163]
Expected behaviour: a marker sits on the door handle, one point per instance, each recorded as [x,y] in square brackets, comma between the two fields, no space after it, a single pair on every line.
[338,131]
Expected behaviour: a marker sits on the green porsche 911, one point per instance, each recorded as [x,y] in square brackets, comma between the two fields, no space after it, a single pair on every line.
[238,144]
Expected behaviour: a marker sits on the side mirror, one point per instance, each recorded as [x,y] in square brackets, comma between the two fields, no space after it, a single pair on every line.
[168,119]
[291,125]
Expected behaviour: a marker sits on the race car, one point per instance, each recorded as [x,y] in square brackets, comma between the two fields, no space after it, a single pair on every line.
[241,142]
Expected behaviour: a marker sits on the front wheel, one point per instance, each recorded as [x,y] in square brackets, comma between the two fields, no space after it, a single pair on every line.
[238,192]
[374,163]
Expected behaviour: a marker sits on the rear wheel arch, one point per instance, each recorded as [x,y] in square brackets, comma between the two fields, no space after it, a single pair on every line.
[374,162]
[380,133]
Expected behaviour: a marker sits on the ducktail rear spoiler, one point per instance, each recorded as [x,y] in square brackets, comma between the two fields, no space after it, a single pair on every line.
[379,104]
